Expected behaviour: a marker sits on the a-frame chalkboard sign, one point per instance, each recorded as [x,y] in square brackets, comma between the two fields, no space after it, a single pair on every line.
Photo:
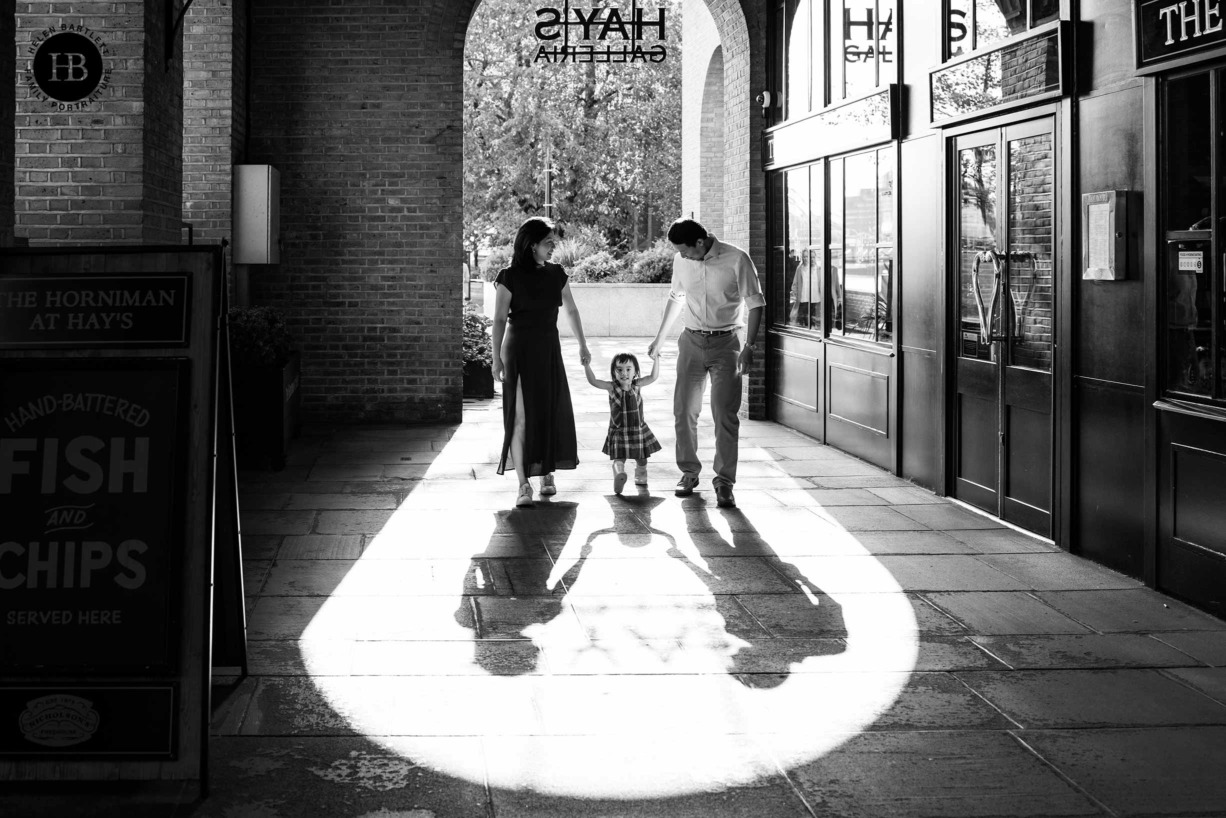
[119,542]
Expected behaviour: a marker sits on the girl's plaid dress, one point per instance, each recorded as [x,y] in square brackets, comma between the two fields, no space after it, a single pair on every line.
[628,438]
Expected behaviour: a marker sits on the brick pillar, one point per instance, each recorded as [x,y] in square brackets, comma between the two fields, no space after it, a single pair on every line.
[106,168]
[214,121]
[8,85]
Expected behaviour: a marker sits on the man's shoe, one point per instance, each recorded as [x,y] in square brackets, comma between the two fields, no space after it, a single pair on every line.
[723,496]
[547,486]
[525,496]
[686,485]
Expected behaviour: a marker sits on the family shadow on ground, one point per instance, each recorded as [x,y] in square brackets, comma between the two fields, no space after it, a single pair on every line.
[541,570]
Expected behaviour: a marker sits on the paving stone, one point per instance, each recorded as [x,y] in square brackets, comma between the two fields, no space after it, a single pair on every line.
[1004,612]
[422,658]
[369,522]
[904,496]
[863,481]
[341,501]
[262,501]
[524,781]
[873,518]
[1208,647]
[796,615]
[508,617]
[938,773]
[1058,572]
[948,516]
[279,777]
[922,572]
[261,546]
[1160,771]
[275,523]
[910,542]
[1001,541]
[255,572]
[1092,650]
[1093,698]
[1140,610]
[1208,680]
[347,473]
[823,498]
[321,547]
[939,701]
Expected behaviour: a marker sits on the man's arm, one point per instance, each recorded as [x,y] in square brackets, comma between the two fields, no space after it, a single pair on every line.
[671,308]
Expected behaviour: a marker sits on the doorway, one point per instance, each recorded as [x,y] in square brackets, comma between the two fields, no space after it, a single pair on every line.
[1003,272]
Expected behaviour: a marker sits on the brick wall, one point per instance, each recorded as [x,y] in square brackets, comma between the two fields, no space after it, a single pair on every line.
[358,105]
[8,69]
[212,130]
[110,172]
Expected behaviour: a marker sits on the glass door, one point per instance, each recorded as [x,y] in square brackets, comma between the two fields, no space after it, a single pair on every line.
[1004,219]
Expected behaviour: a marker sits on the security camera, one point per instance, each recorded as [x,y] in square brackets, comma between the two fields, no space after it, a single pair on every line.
[763,99]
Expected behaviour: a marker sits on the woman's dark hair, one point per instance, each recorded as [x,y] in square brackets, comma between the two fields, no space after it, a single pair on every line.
[687,232]
[624,358]
[533,231]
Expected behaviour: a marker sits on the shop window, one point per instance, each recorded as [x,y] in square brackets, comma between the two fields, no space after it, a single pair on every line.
[975,25]
[861,246]
[1194,210]
[826,53]
[804,267]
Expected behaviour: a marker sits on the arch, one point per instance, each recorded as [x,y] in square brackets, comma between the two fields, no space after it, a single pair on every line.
[711,146]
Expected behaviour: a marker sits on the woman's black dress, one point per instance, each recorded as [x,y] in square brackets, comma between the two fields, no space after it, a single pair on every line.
[533,360]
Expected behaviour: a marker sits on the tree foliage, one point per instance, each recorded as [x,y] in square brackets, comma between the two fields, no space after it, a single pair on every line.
[612,130]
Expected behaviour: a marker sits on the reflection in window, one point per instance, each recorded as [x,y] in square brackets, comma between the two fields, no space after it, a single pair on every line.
[1191,270]
[976,241]
[1031,250]
[798,50]
[974,25]
[863,47]
[861,246]
[796,269]
[1019,71]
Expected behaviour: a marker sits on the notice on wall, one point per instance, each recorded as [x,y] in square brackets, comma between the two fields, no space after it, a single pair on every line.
[91,459]
[51,311]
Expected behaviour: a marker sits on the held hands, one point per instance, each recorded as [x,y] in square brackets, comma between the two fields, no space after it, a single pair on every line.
[585,357]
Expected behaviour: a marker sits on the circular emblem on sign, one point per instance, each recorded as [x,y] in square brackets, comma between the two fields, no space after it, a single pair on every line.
[68,67]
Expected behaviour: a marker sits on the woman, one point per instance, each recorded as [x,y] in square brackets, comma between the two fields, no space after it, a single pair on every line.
[538,420]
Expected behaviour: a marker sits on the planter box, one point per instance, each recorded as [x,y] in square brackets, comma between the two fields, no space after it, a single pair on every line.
[478,381]
[267,412]
[618,310]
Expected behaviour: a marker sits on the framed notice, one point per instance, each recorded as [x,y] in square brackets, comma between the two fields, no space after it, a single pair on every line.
[92,456]
[1104,235]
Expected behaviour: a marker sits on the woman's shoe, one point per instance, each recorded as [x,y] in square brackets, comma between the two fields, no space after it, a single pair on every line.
[525,496]
[547,486]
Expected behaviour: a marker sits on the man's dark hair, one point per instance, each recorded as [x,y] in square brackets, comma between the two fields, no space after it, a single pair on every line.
[687,232]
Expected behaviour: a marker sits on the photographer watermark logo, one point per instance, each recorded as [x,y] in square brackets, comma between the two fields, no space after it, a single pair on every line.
[58,720]
[68,66]
[606,34]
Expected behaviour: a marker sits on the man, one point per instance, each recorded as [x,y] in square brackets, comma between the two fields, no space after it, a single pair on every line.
[712,280]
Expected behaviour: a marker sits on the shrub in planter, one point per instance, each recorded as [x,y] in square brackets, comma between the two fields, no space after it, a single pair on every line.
[499,258]
[264,374]
[652,266]
[597,268]
[478,355]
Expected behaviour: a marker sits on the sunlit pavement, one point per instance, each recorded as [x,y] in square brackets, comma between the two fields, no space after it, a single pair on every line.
[842,643]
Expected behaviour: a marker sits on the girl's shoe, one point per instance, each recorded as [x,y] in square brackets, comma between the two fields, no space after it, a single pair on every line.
[525,496]
[640,475]
[619,482]
[547,486]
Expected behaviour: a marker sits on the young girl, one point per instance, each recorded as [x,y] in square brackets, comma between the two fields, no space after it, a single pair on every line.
[629,437]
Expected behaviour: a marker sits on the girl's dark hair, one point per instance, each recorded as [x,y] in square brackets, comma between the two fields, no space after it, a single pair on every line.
[624,358]
[533,231]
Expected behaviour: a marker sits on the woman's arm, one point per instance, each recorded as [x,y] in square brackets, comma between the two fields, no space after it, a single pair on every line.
[655,370]
[593,380]
[576,326]
[502,305]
